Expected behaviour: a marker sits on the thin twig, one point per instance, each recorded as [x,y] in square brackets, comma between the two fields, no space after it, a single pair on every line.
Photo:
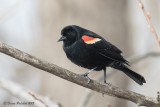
[26,95]
[78,79]
[135,59]
[150,26]
[38,99]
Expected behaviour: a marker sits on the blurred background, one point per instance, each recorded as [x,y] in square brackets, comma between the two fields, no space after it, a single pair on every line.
[34,26]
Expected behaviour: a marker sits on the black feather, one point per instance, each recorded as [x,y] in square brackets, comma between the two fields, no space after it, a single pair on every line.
[135,76]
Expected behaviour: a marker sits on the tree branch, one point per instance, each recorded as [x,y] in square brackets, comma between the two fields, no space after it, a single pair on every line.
[77,79]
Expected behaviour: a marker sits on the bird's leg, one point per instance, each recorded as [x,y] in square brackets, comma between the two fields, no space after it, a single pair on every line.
[105,78]
[86,74]
[105,75]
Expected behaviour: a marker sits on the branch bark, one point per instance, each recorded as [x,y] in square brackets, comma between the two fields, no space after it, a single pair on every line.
[77,79]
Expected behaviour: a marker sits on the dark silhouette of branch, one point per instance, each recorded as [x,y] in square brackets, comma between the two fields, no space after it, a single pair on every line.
[150,26]
[139,99]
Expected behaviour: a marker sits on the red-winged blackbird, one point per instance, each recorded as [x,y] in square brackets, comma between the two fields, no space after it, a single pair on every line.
[89,50]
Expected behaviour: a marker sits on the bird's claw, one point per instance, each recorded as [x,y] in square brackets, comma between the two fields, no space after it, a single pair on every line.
[88,79]
[86,76]
[109,84]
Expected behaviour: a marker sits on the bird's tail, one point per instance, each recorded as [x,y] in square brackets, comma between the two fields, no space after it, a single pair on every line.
[135,76]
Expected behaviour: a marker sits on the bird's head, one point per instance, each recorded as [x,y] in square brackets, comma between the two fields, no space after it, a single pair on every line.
[71,33]
[68,34]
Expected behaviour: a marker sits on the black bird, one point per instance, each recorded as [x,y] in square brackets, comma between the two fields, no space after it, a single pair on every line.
[89,50]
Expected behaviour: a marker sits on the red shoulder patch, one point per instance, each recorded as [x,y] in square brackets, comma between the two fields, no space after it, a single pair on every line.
[90,40]
[87,38]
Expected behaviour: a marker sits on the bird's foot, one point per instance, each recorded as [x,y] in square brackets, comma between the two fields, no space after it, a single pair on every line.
[86,76]
[109,84]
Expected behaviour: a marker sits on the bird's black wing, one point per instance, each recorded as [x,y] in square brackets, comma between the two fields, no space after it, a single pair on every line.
[106,49]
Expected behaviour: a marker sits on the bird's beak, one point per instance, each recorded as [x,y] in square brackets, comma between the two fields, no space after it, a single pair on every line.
[62,38]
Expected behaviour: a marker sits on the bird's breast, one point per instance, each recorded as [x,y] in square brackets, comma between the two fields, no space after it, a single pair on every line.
[79,54]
